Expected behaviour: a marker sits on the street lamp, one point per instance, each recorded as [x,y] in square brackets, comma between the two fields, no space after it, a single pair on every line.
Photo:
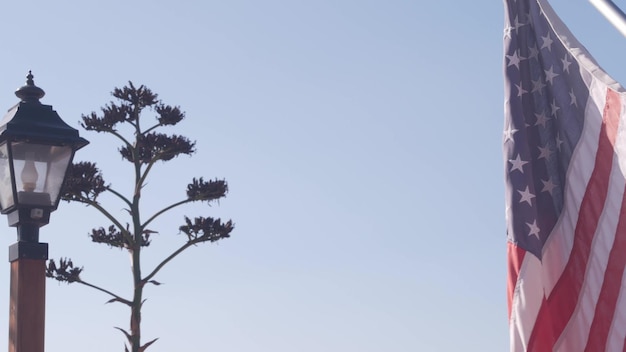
[36,149]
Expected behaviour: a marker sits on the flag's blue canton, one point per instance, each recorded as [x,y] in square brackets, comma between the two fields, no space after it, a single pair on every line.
[546,98]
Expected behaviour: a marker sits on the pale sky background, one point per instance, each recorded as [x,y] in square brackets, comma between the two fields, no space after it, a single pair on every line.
[362,145]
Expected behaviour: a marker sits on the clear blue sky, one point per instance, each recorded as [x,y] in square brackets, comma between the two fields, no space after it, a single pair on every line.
[362,144]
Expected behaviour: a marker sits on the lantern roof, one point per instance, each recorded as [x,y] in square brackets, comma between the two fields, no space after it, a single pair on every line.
[31,121]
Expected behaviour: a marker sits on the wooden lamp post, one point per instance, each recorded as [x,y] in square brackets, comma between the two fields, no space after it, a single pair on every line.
[36,148]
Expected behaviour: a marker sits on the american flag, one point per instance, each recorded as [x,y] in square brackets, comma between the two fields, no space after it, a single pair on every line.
[565,164]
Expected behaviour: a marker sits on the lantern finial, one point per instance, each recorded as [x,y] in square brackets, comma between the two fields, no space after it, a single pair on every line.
[30,92]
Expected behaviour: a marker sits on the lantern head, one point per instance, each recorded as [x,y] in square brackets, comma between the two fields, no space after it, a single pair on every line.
[36,149]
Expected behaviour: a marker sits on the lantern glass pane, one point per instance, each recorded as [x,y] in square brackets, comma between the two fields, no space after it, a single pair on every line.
[39,172]
[6,187]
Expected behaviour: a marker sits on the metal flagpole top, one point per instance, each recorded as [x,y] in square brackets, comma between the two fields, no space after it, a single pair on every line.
[612,13]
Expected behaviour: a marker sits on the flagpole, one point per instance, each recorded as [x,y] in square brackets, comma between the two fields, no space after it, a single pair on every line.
[612,13]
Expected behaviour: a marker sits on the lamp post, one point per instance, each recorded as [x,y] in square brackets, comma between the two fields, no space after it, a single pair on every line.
[36,148]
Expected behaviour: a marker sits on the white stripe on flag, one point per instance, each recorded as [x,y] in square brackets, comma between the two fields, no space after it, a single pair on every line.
[526,302]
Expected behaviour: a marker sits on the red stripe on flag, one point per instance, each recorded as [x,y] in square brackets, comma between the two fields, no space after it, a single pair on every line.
[556,311]
[607,301]
[515,257]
